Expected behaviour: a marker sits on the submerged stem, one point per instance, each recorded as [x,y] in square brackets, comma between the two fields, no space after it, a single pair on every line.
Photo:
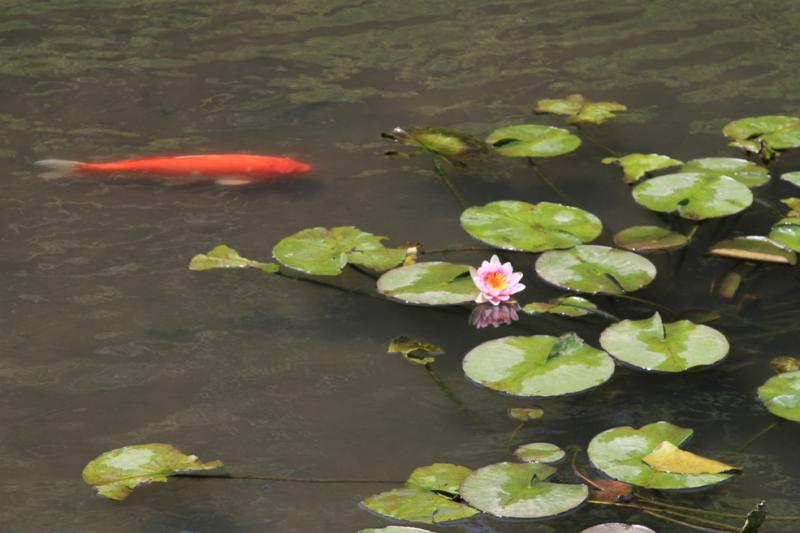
[657,512]
[549,184]
[511,437]
[591,138]
[758,435]
[449,393]
[649,303]
[285,479]
[437,168]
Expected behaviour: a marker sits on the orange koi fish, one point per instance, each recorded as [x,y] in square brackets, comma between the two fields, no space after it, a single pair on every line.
[223,169]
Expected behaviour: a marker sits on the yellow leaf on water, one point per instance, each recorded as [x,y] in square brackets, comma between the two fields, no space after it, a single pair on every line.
[669,458]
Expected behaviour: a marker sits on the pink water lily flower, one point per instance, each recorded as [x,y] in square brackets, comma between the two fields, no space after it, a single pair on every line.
[496,281]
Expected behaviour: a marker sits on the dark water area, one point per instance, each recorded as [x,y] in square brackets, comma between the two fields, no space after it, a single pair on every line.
[109,340]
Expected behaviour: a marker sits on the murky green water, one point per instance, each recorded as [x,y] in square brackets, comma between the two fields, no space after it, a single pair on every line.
[109,340]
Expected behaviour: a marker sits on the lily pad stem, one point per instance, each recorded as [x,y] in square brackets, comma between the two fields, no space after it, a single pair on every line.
[288,479]
[321,283]
[511,437]
[687,509]
[758,435]
[449,393]
[657,512]
[549,184]
[591,138]
[437,167]
[649,303]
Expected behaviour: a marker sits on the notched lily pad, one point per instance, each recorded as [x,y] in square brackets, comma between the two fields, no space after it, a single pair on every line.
[787,233]
[439,477]
[429,283]
[572,306]
[446,142]
[224,257]
[649,238]
[325,252]
[781,395]
[519,490]
[115,473]
[595,269]
[579,109]
[764,135]
[745,172]
[637,166]
[618,452]
[514,225]
[540,452]
[532,140]
[538,365]
[415,350]
[651,345]
[693,195]
[754,248]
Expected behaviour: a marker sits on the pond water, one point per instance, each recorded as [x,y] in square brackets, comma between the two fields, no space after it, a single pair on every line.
[110,340]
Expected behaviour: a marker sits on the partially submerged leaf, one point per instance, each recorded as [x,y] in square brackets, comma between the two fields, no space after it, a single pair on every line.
[429,283]
[540,452]
[745,172]
[669,458]
[532,140]
[649,238]
[794,206]
[524,414]
[792,177]
[693,195]
[781,395]
[764,135]
[730,284]
[786,231]
[573,306]
[637,166]
[579,109]
[785,363]
[446,142]
[754,248]
[115,473]
[224,257]
[415,350]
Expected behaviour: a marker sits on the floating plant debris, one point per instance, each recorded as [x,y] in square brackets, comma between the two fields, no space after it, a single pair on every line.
[579,109]
[415,350]
[224,257]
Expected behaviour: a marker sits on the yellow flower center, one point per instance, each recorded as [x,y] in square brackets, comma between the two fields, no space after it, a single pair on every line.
[496,280]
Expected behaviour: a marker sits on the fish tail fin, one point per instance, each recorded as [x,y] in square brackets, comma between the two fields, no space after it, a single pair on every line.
[57,168]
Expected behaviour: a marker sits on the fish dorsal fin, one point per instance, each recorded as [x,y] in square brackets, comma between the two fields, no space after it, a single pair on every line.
[232,181]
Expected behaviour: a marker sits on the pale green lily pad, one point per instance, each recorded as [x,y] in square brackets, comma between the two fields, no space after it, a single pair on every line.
[429,283]
[519,490]
[538,365]
[777,132]
[595,269]
[649,238]
[745,172]
[514,225]
[694,195]
[325,252]
[439,477]
[573,306]
[618,453]
[413,504]
[792,177]
[415,350]
[224,257]
[540,452]
[532,140]
[636,166]
[395,529]
[579,109]
[651,345]
[781,395]
[754,248]
[449,143]
[115,473]
[786,231]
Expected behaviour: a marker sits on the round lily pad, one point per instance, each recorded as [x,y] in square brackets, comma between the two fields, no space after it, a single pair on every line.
[618,527]
[649,238]
[754,248]
[777,131]
[532,140]
[618,453]
[786,231]
[413,504]
[781,395]
[538,365]
[540,452]
[430,283]
[513,225]
[636,166]
[595,269]
[519,490]
[694,195]
[651,345]
[745,172]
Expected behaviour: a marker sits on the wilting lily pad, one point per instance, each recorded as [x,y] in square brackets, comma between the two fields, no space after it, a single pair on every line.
[325,252]
[754,248]
[395,529]
[792,177]
[573,306]
[224,257]
[781,395]
[618,527]
[540,452]
[413,504]
[669,458]
[439,477]
[580,109]
[785,363]
[636,166]
[524,414]
[648,238]
[595,269]
[116,473]
[618,452]
[538,365]
[519,490]
[449,143]
[429,283]
[532,140]
[650,344]
[745,172]
[693,195]
[513,225]
[415,350]
[764,134]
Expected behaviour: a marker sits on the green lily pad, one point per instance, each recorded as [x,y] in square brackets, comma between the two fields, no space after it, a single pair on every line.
[513,225]
[224,257]
[651,345]
[618,453]
[781,395]
[693,195]
[325,252]
[519,490]
[649,238]
[573,306]
[395,529]
[595,269]
[429,283]
[532,140]
[636,166]
[540,452]
[525,414]
[538,365]
[775,131]
[745,172]
[754,248]
[439,477]
[413,504]
[792,177]
[115,473]
[415,350]
[449,143]
[579,109]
